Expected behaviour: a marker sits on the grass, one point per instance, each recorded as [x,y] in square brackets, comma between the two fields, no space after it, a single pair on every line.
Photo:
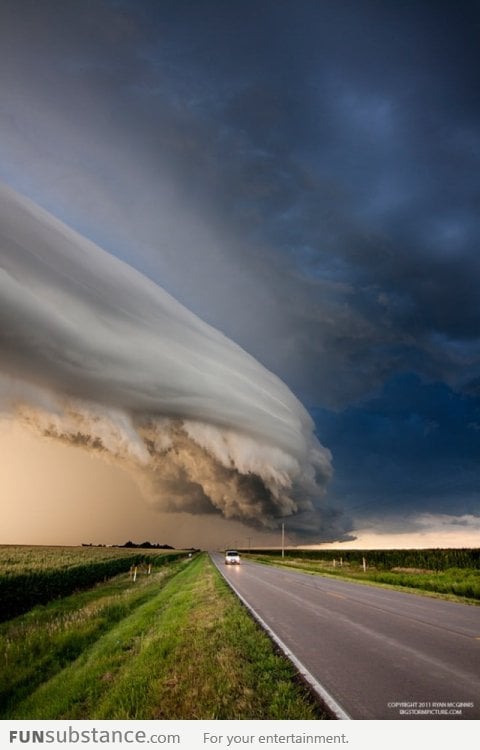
[457,584]
[178,647]
[36,646]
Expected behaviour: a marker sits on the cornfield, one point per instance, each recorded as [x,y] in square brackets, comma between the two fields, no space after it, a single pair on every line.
[386,559]
[36,575]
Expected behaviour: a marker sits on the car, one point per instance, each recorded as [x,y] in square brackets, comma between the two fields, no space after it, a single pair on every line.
[232,557]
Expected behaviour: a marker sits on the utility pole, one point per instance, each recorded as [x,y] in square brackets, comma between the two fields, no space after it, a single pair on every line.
[283,539]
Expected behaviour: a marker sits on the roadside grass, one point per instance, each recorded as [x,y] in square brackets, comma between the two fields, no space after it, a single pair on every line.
[454,584]
[191,651]
[37,645]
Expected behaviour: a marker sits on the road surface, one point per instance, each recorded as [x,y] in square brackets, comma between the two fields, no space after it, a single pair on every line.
[371,649]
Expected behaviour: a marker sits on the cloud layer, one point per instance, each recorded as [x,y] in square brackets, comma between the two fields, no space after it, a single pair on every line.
[95,354]
[304,177]
[329,163]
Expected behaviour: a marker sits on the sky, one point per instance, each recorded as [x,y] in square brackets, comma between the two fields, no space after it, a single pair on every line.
[298,182]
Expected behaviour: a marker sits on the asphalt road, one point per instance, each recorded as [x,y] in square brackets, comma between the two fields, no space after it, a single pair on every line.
[370,648]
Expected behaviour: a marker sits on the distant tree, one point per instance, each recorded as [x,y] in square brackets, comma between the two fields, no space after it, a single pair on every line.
[145,545]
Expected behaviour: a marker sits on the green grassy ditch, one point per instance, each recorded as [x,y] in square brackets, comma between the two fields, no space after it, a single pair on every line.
[174,645]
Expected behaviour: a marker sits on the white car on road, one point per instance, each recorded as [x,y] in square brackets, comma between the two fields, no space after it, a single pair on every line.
[232,557]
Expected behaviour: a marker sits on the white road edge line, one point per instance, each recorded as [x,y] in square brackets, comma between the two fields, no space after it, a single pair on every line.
[322,693]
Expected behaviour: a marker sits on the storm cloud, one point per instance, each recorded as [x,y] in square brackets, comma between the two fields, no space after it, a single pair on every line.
[95,354]
[302,176]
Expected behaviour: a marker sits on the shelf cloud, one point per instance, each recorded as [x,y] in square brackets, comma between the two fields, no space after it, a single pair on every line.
[95,354]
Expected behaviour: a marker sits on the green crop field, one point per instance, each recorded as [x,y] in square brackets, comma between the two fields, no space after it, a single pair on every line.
[19,559]
[173,644]
[449,573]
[35,575]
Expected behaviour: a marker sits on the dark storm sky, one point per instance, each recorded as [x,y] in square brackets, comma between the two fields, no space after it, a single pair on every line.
[302,175]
